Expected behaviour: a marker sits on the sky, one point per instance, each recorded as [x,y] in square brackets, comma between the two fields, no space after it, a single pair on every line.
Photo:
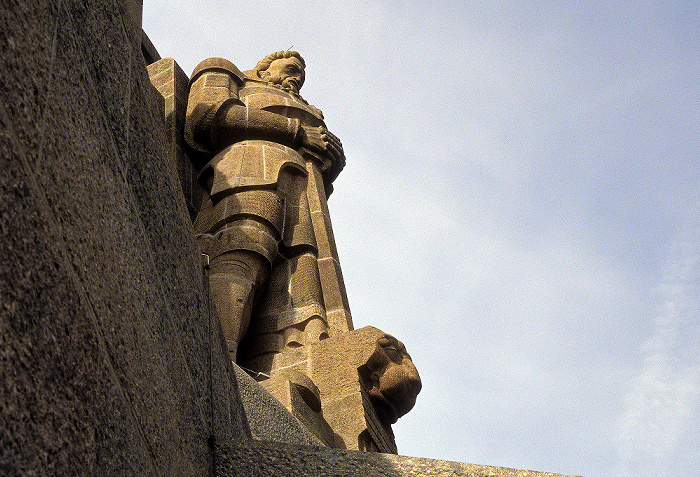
[519,207]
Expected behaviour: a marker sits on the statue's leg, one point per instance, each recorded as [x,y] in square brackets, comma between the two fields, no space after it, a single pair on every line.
[305,303]
[240,235]
[299,312]
[234,279]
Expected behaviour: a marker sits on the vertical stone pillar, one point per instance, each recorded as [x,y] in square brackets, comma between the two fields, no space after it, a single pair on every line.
[171,82]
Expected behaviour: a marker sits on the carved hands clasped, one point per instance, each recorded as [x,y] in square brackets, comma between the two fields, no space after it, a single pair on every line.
[321,140]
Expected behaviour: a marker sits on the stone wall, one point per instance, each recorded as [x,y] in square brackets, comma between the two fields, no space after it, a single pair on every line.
[109,356]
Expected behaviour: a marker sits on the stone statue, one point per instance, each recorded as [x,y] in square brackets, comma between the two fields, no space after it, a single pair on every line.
[266,159]
[266,163]
[390,379]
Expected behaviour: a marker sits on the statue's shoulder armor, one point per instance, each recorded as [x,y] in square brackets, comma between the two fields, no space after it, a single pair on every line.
[259,94]
[217,65]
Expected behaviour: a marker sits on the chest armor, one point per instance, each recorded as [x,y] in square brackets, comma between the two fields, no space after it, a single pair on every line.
[257,162]
[258,96]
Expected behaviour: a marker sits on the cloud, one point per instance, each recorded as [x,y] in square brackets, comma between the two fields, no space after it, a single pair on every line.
[662,402]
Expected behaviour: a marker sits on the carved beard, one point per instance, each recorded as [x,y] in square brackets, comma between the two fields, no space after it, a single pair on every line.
[278,81]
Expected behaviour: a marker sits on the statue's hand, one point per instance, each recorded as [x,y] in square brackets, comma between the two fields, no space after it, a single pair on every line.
[322,140]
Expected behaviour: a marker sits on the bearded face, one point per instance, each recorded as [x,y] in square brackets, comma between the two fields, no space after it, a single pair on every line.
[391,379]
[287,72]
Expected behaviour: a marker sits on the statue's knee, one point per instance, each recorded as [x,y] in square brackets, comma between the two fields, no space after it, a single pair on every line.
[240,263]
[247,246]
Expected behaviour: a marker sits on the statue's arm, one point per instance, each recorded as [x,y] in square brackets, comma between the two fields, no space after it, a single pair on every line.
[234,122]
[217,118]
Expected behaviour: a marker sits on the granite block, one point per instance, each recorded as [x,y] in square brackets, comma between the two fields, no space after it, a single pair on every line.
[108,355]
[267,418]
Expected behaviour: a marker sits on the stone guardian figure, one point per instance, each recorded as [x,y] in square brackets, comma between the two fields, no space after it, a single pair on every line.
[266,153]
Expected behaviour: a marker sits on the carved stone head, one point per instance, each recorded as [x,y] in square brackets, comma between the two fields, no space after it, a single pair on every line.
[284,68]
[390,379]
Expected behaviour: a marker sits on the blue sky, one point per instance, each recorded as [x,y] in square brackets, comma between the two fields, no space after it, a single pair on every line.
[519,207]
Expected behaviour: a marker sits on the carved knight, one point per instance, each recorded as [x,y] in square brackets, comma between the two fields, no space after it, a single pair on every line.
[261,145]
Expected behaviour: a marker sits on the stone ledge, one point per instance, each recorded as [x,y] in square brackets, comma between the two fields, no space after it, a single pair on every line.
[260,458]
[267,418]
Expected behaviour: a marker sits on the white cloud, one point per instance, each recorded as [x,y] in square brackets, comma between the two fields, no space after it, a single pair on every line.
[662,402]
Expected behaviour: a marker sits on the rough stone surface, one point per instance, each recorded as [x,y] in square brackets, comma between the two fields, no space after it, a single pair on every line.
[261,459]
[267,418]
[107,346]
